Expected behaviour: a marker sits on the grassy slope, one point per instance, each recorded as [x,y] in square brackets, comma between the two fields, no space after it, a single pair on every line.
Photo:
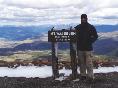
[62,55]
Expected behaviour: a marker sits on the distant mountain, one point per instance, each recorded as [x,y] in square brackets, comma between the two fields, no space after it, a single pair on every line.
[106,47]
[21,32]
[35,38]
[106,28]
[101,47]
[18,33]
[107,44]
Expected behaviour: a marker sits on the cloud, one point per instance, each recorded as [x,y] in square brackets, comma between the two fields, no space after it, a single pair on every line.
[22,12]
[111,17]
[41,3]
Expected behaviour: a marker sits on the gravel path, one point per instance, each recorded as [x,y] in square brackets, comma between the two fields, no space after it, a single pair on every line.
[102,80]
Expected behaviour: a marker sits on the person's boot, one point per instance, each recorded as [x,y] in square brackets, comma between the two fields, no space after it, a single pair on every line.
[90,79]
[83,78]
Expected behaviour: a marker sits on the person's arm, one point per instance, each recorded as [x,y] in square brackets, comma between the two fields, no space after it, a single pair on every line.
[76,27]
[94,34]
[77,32]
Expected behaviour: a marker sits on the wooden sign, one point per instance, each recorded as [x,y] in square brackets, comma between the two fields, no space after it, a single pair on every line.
[62,35]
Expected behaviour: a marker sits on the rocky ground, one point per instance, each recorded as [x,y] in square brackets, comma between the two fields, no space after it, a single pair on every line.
[102,80]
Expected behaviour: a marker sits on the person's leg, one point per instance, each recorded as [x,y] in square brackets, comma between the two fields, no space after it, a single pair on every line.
[81,58]
[89,64]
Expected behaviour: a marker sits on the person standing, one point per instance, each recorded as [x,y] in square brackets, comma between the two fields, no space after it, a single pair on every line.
[86,36]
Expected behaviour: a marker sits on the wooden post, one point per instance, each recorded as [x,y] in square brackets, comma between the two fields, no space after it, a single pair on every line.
[73,57]
[55,60]
[73,60]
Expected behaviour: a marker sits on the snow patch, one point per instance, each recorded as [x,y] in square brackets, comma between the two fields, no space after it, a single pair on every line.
[45,71]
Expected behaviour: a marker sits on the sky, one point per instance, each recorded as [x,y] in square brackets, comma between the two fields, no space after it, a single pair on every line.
[41,12]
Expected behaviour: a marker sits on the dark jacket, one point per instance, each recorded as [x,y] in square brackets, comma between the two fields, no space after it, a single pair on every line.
[86,36]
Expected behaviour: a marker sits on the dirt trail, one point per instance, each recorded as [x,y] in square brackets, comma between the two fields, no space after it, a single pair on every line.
[102,80]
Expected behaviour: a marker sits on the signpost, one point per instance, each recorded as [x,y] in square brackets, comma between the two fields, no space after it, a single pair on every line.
[63,35]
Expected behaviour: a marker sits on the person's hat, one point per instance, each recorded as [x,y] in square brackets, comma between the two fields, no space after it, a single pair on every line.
[83,16]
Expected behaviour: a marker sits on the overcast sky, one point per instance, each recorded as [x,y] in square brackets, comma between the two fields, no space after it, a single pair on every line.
[36,12]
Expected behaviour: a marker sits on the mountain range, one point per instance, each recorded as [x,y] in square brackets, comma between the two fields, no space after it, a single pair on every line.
[21,38]
[18,33]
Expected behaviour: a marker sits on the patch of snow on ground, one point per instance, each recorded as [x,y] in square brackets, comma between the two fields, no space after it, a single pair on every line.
[44,71]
